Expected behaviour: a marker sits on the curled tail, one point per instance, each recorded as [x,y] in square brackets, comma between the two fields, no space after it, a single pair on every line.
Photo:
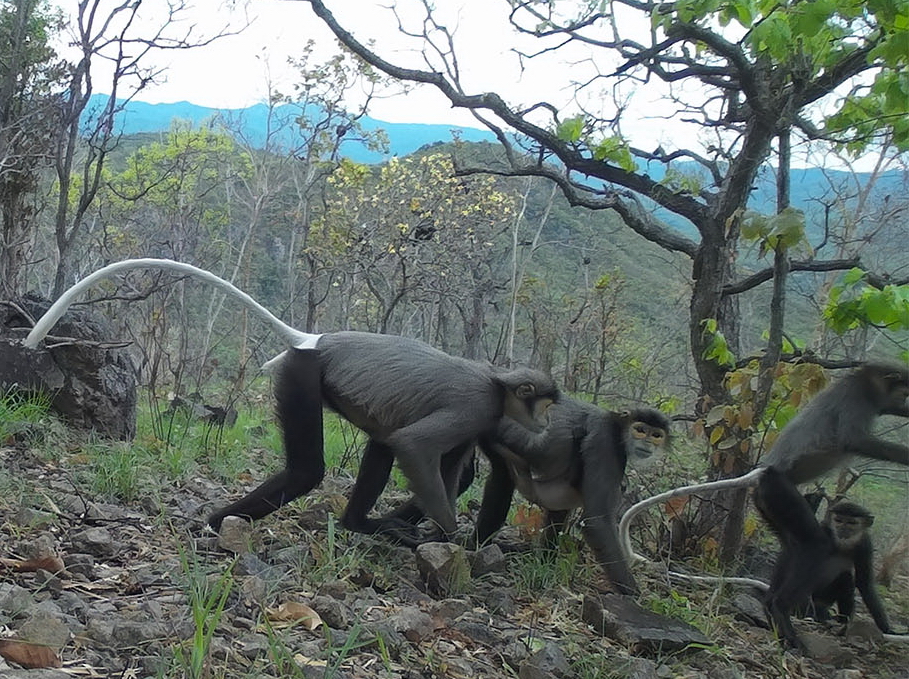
[293,337]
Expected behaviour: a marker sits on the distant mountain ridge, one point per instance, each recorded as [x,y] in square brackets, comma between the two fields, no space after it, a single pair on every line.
[808,185]
[404,138]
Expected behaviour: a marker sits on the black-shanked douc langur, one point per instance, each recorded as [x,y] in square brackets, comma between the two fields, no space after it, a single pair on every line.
[415,403]
[831,430]
[578,462]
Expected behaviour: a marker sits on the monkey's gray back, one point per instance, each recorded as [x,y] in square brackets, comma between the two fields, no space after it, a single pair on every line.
[811,444]
[384,382]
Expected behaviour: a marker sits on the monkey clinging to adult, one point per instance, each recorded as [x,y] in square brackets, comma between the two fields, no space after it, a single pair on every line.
[415,403]
[829,431]
[833,428]
[577,462]
[821,564]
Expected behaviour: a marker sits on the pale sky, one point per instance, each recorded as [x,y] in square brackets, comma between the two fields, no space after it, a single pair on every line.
[234,71]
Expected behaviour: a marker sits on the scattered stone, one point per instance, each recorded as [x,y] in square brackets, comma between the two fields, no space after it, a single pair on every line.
[294,556]
[479,632]
[42,547]
[15,601]
[443,567]
[449,609]
[97,542]
[500,601]
[332,611]
[515,652]
[28,517]
[547,663]
[489,559]
[336,588]
[749,609]
[409,594]
[253,590]
[642,668]
[48,581]
[826,649]
[413,623]
[620,618]
[128,633]
[80,564]
[250,564]
[864,630]
[254,646]
[94,388]
[36,674]
[236,535]
[45,630]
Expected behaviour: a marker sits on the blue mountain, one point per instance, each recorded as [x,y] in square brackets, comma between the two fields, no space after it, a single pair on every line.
[404,138]
[810,187]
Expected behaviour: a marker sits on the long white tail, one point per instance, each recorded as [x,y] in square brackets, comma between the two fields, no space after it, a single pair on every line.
[744,481]
[293,337]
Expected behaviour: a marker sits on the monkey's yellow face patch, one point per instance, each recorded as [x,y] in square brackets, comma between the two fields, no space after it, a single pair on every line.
[531,413]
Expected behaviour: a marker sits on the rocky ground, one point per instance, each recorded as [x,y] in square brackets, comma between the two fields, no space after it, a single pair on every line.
[93,589]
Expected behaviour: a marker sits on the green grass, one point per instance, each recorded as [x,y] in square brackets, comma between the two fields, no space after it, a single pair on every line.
[18,409]
[207,596]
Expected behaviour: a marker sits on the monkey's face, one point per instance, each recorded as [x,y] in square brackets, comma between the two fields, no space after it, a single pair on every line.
[644,443]
[528,409]
[848,530]
[894,387]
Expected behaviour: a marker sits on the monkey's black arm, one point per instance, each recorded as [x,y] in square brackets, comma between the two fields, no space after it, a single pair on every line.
[531,445]
[864,581]
[601,487]
[497,494]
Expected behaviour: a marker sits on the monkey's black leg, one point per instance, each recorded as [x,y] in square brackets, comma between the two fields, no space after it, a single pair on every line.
[453,466]
[554,523]
[864,581]
[786,510]
[497,494]
[419,449]
[787,591]
[372,477]
[298,392]
[843,591]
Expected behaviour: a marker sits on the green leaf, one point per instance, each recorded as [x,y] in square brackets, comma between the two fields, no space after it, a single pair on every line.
[854,275]
[570,130]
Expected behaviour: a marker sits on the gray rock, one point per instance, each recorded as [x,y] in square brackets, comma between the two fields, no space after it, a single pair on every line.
[94,386]
[33,518]
[42,547]
[48,581]
[15,601]
[332,611]
[413,623]
[620,618]
[749,609]
[826,649]
[443,567]
[449,609]
[236,535]
[547,663]
[45,629]
[97,542]
[80,564]
[253,590]
[489,559]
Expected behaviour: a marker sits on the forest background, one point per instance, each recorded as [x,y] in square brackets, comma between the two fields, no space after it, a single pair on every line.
[505,265]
